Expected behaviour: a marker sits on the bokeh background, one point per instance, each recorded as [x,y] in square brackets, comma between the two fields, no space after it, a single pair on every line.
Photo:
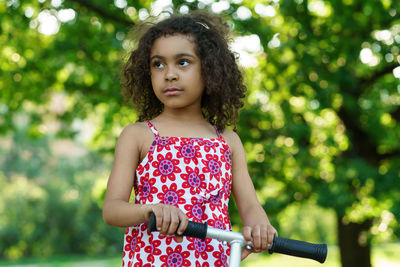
[321,123]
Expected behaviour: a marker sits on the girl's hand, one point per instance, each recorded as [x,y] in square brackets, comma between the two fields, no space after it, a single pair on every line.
[169,220]
[260,235]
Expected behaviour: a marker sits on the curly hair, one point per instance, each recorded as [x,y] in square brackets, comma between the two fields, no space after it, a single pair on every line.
[223,81]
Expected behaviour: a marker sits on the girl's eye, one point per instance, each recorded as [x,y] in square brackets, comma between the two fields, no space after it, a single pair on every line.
[183,62]
[158,64]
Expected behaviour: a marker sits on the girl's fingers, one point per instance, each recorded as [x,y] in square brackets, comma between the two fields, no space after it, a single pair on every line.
[166,220]
[158,213]
[246,231]
[256,234]
[173,223]
[183,223]
[271,233]
[265,235]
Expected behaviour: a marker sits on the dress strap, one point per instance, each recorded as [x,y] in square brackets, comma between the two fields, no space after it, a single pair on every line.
[152,128]
[218,133]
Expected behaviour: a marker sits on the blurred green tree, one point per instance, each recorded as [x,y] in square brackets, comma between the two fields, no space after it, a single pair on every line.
[321,121]
[327,123]
[51,199]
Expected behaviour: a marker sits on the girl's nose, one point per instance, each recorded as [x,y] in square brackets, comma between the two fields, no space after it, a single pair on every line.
[171,74]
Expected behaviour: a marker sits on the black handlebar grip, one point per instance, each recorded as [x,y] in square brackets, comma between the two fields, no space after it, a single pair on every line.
[297,248]
[194,229]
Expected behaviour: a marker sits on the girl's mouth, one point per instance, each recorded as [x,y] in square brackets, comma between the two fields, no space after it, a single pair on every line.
[172,91]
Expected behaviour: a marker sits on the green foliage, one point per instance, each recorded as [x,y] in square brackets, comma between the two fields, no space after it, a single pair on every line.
[52,205]
[308,222]
[319,123]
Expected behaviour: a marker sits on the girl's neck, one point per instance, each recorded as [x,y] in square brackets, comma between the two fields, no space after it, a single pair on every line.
[183,125]
[179,116]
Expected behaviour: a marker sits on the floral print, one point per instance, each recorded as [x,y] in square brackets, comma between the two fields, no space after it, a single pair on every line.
[171,196]
[146,189]
[201,248]
[193,180]
[152,249]
[226,157]
[175,258]
[195,211]
[209,146]
[165,143]
[188,152]
[212,166]
[133,243]
[193,174]
[166,167]
[221,257]
[218,222]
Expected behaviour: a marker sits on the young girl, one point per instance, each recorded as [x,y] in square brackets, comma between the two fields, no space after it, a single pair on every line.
[180,159]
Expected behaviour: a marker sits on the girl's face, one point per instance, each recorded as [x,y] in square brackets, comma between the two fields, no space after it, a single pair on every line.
[175,71]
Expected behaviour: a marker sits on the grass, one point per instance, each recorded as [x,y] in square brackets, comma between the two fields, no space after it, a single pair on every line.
[386,255]
[261,260]
[67,261]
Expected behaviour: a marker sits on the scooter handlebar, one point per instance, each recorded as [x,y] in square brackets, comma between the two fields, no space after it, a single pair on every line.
[286,246]
[298,248]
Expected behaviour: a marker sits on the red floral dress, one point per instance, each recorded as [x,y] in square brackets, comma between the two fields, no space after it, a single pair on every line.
[193,174]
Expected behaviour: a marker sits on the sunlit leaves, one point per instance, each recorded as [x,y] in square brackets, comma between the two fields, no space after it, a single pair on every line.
[328,90]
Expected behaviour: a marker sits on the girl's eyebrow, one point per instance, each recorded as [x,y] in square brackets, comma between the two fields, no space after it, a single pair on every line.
[176,56]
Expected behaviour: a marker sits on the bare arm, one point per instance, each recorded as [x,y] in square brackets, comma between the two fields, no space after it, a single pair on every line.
[117,210]
[257,227]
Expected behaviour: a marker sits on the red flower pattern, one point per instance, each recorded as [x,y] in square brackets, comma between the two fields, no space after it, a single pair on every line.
[171,196]
[212,166]
[152,249]
[225,210]
[193,180]
[175,257]
[166,167]
[208,145]
[167,239]
[217,222]
[227,182]
[196,140]
[189,152]
[221,256]
[165,143]
[142,168]
[215,200]
[201,248]
[205,264]
[133,242]
[195,211]
[226,157]
[146,189]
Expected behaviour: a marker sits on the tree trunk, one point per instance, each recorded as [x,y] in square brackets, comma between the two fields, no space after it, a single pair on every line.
[355,249]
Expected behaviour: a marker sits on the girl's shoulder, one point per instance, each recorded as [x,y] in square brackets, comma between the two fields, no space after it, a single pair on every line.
[136,129]
[232,139]
[137,126]
[135,133]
